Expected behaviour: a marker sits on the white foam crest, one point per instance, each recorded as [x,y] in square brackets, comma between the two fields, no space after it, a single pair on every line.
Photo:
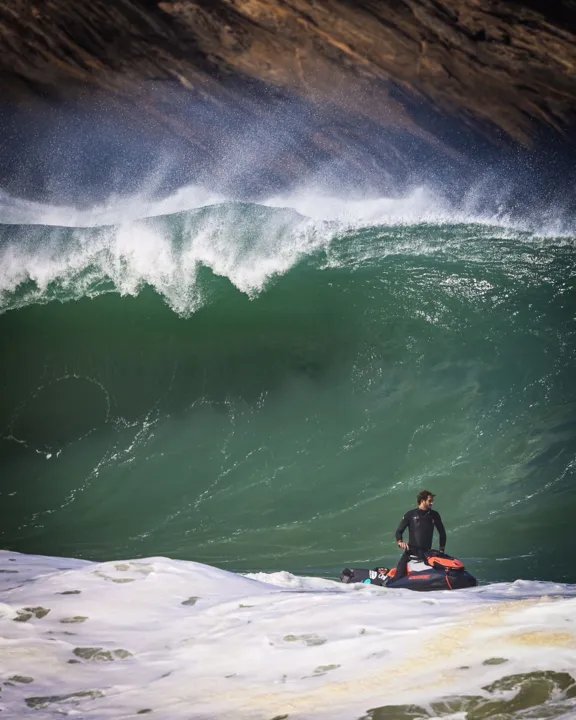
[165,253]
[254,257]
[59,256]
[248,244]
[119,638]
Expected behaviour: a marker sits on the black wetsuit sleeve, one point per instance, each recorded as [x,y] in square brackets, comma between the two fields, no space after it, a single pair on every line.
[403,525]
[441,530]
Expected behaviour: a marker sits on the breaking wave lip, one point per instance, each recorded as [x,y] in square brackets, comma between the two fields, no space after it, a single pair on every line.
[249,244]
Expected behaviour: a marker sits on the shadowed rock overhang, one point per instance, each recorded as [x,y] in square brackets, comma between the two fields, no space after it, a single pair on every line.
[254,95]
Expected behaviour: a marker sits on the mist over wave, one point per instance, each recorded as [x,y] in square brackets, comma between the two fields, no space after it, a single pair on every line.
[489,200]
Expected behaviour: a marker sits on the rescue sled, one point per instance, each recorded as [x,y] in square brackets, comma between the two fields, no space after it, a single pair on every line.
[439,572]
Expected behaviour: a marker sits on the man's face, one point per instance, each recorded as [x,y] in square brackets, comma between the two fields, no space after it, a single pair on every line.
[429,502]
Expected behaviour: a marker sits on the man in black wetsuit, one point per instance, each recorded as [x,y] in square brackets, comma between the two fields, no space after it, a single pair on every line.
[421,523]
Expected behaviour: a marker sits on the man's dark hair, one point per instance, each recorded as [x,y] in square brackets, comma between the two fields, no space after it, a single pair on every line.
[424,495]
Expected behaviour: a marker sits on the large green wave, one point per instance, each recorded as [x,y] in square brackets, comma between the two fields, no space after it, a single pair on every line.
[241,387]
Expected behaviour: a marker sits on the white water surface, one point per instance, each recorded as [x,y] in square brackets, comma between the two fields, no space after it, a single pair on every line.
[177,639]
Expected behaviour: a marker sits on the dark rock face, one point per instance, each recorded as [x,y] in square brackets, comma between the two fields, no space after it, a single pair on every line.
[253,96]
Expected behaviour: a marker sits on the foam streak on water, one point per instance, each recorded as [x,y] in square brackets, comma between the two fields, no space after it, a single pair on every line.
[180,639]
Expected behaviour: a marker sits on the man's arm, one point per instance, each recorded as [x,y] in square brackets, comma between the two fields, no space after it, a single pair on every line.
[400,529]
[441,531]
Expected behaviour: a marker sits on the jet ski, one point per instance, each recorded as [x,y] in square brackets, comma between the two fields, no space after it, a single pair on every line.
[438,571]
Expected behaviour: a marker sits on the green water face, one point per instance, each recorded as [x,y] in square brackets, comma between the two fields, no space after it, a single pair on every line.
[292,430]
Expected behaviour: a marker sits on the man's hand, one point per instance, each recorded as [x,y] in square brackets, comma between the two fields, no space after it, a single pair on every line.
[402,545]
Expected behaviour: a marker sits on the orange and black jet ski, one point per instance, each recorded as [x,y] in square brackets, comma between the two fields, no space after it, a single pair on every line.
[438,571]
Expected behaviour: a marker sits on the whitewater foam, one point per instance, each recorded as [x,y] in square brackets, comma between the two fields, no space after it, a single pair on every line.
[250,245]
[181,639]
[247,245]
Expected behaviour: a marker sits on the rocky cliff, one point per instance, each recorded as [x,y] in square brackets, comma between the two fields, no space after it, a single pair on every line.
[255,95]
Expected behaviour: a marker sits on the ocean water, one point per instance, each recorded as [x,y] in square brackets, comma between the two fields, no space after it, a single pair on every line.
[231,403]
